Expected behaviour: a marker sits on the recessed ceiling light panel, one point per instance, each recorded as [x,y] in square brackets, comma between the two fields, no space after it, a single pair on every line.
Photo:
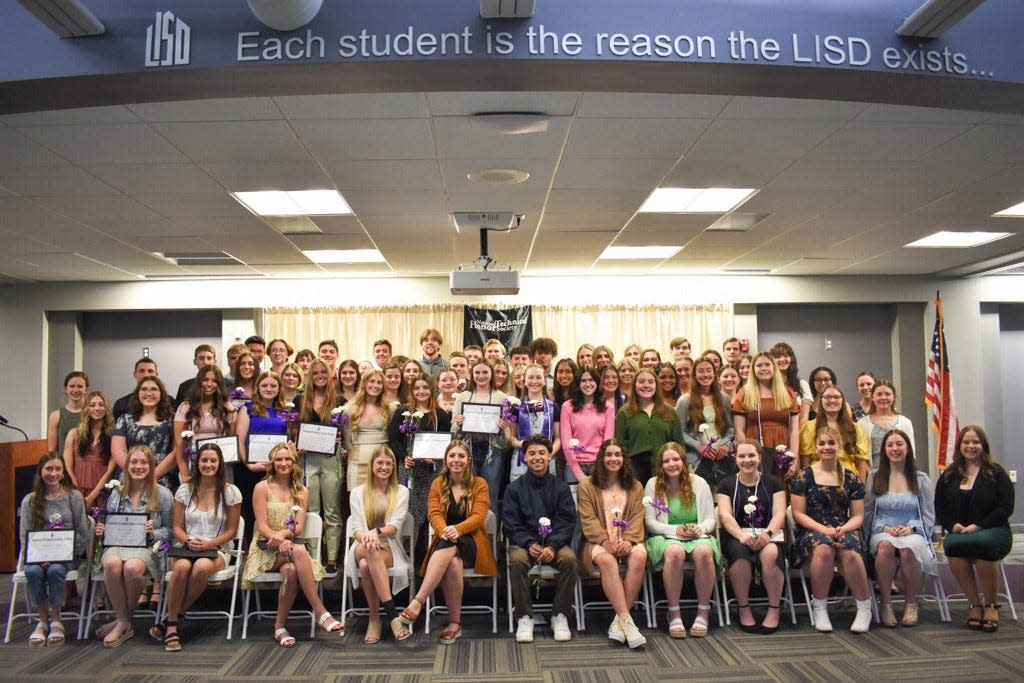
[659,253]
[1015,211]
[958,240]
[344,255]
[696,199]
[294,203]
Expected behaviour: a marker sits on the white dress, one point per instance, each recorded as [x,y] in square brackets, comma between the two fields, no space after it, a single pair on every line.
[400,580]
[206,524]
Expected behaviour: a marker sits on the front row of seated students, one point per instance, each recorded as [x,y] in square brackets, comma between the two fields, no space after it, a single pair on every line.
[973,500]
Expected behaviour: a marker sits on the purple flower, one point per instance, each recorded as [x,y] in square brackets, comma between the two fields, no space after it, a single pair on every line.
[238,393]
[510,410]
[292,520]
[543,528]
[55,522]
[162,547]
[660,505]
[97,512]
[618,521]
[288,415]
[783,458]
[339,418]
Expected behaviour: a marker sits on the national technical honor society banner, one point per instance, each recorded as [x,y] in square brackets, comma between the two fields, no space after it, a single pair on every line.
[512,326]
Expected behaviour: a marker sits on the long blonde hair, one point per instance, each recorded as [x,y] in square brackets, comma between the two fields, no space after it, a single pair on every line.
[661,481]
[358,403]
[295,479]
[373,514]
[149,484]
[309,393]
[84,442]
[752,389]
[467,478]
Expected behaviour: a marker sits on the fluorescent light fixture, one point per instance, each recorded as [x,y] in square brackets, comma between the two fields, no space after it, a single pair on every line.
[344,255]
[295,203]
[695,199]
[66,18]
[935,17]
[958,240]
[1015,211]
[631,253]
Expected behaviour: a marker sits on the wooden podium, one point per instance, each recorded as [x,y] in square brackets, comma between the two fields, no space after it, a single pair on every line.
[14,455]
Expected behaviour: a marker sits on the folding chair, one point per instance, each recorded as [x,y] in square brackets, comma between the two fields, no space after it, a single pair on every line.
[18,579]
[231,574]
[547,574]
[491,525]
[787,591]
[688,567]
[643,601]
[312,534]
[408,540]
[1005,594]
[98,582]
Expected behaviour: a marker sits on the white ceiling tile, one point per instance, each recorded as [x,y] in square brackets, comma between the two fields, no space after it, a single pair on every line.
[760,138]
[354,106]
[872,140]
[65,117]
[367,139]
[791,109]
[51,181]
[406,174]
[101,144]
[614,173]
[651,105]
[234,141]
[98,210]
[384,202]
[593,221]
[744,171]
[904,113]
[350,241]
[236,109]
[245,176]
[170,178]
[220,205]
[591,201]
[459,137]
[633,137]
[18,150]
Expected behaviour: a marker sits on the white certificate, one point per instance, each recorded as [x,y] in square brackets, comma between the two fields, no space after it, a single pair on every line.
[481,418]
[125,530]
[228,446]
[316,438]
[260,446]
[52,545]
[430,445]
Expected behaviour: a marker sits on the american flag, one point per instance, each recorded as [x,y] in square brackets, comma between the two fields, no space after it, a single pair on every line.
[938,394]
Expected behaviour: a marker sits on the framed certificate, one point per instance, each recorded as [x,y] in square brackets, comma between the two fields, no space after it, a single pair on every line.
[51,545]
[430,445]
[481,418]
[317,438]
[260,446]
[125,530]
[228,446]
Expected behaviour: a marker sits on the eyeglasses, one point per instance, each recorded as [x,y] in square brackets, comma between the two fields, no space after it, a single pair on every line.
[831,397]
[823,380]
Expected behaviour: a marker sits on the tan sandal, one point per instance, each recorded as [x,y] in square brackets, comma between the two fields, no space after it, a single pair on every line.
[909,614]
[700,624]
[284,639]
[373,630]
[887,616]
[38,637]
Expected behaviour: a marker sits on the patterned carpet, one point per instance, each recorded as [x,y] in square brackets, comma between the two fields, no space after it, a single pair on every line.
[931,652]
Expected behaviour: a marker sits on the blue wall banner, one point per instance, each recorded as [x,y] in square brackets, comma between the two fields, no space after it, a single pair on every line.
[511,326]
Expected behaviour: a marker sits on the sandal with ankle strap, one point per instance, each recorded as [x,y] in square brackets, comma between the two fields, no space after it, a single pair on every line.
[38,637]
[676,629]
[172,641]
[700,624]
[747,628]
[991,625]
[283,638]
[974,623]
[56,636]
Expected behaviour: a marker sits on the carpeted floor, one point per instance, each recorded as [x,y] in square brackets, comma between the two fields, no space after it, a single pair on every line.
[933,651]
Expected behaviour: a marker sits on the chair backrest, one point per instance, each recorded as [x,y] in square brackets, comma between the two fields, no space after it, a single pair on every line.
[313,533]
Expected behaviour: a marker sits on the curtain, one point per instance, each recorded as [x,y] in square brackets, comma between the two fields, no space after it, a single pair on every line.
[356,328]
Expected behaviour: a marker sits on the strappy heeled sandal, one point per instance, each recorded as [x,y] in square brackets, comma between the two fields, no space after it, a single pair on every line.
[747,628]
[991,625]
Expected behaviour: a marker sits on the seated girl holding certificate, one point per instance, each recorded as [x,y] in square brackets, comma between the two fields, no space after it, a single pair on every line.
[53,504]
[125,568]
[752,510]
[206,513]
[279,504]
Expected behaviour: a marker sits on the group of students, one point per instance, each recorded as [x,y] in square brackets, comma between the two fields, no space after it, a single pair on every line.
[574,445]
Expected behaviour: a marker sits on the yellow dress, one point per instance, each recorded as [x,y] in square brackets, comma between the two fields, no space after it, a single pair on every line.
[258,560]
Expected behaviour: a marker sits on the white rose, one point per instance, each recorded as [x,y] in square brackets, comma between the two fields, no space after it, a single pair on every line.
[749,508]
[544,521]
[514,401]
[647,500]
[789,454]
[289,405]
[418,414]
[187,434]
[574,442]
[704,428]
[339,409]
[616,512]
[113,484]
[407,414]
[752,499]
[780,448]
[296,509]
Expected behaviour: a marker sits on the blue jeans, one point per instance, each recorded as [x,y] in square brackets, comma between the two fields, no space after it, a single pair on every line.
[46,586]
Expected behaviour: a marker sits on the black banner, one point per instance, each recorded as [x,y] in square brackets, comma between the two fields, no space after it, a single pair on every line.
[512,326]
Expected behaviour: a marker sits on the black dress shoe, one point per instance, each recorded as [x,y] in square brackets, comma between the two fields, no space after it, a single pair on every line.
[765,630]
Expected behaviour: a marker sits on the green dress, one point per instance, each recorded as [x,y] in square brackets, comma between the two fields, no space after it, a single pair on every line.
[680,514]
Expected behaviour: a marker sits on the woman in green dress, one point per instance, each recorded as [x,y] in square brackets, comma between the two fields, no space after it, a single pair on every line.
[680,521]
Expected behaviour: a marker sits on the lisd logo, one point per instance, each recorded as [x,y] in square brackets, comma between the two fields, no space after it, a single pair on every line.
[168,41]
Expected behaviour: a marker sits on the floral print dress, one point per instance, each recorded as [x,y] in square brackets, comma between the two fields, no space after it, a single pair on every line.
[829,506]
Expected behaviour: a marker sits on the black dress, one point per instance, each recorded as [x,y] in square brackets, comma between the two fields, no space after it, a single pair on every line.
[464,546]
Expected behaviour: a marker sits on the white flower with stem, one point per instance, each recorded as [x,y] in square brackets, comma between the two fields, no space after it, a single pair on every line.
[187,434]
[407,413]
[418,414]
[749,508]
[646,501]
[704,428]
[544,521]
[113,484]
[289,406]
[338,410]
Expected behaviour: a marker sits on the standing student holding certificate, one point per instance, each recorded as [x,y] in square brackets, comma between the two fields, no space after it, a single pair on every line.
[206,412]
[323,469]
[259,418]
[417,474]
[53,504]
[125,568]
[488,448]
[206,513]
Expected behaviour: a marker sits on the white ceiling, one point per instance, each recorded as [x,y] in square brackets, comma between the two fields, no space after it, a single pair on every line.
[89,194]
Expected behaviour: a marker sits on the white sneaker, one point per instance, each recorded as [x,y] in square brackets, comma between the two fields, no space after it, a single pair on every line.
[819,608]
[560,626]
[862,622]
[615,630]
[633,636]
[524,629]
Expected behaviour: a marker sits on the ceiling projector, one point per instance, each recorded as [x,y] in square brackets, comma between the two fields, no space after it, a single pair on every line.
[484,275]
